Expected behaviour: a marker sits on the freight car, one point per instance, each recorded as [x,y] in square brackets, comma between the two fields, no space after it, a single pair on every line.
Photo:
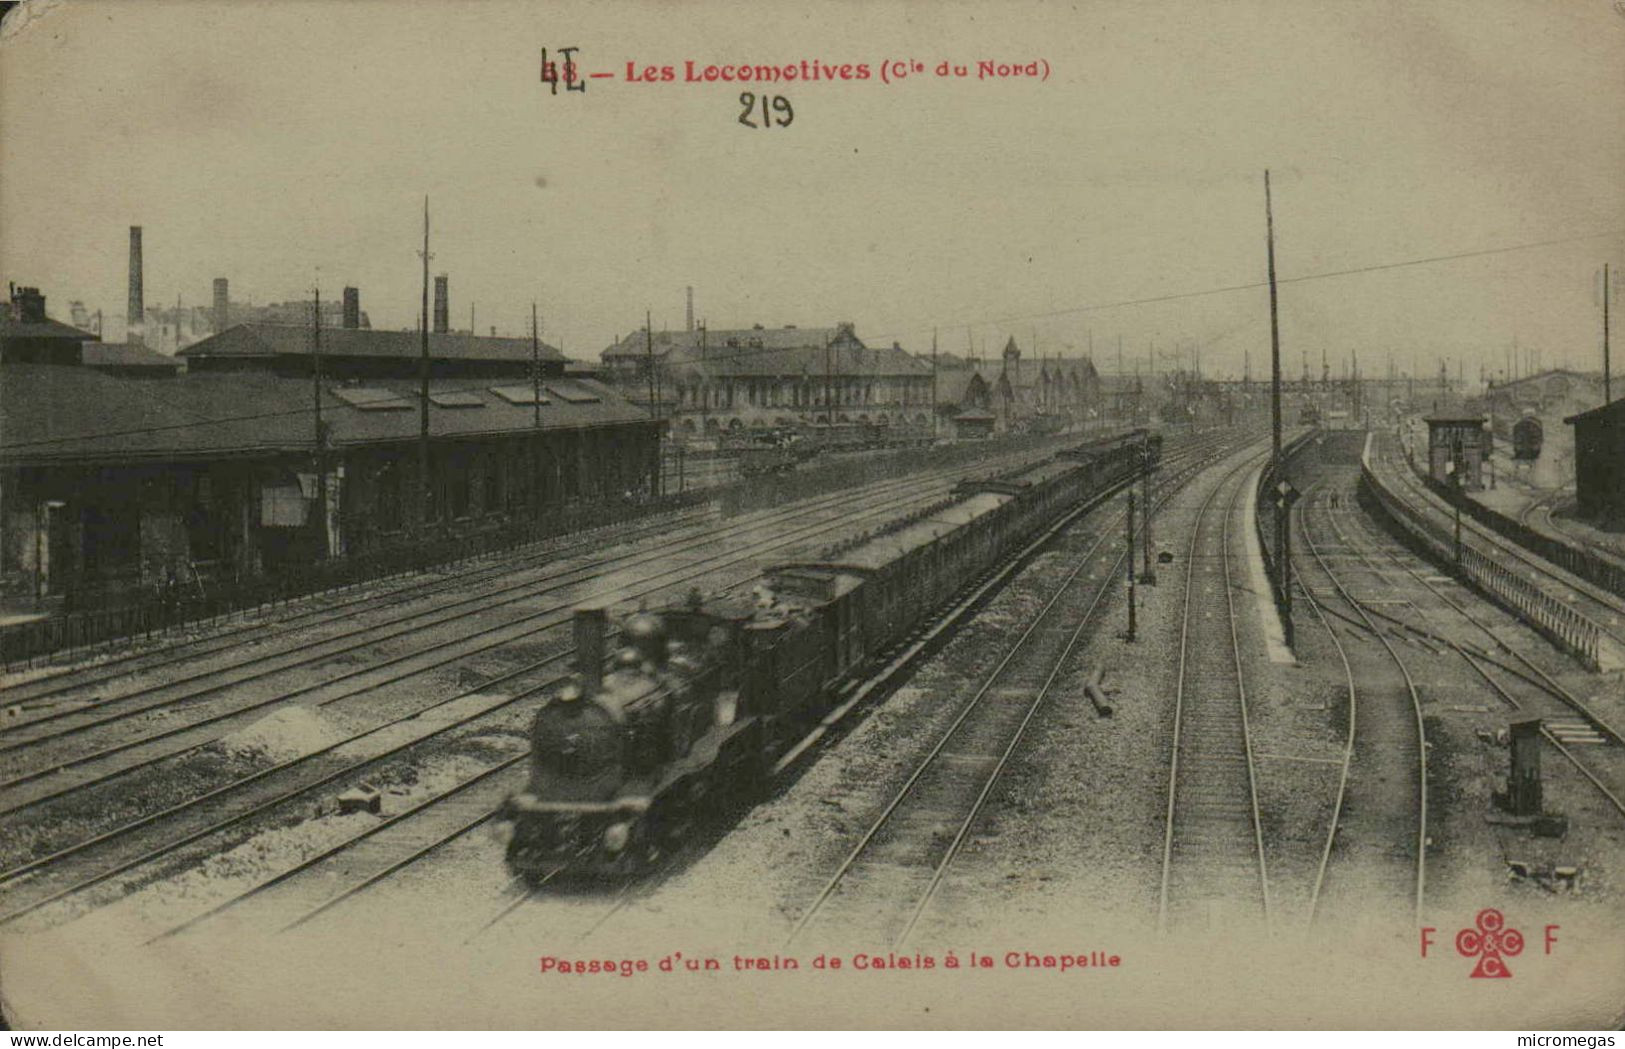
[704,696]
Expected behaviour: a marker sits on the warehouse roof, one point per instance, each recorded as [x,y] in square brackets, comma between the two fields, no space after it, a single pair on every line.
[57,414]
[41,329]
[1598,413]
[274,340]
[688,343]
[125,355]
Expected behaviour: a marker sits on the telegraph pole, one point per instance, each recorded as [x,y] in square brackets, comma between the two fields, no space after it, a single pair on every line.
[324,548]
[1283,513]
[423,384]
[1148,575]
[1607,370]
[934,419]
[1130,561]
[829,405]
[649,359]
[536,405]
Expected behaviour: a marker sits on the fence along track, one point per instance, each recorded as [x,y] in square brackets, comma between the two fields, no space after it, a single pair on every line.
[1572,630]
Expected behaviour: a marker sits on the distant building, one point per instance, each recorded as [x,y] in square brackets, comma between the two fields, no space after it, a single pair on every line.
[1599,464]
[28,336]
[360,353]
[1016,394]
[708,383]
[1458,445]
[114,485]
[131,362]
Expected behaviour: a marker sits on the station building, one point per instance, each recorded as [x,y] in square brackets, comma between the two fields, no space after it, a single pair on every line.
[714,382]
[1458,443]
[1599,464]
[110,483]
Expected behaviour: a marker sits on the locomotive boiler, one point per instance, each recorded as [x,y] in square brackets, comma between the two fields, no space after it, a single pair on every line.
[698,699]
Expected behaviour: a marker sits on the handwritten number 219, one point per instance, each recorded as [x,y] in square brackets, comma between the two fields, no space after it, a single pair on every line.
[775,110]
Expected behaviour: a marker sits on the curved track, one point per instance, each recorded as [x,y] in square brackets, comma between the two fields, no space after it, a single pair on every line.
[1213,849]
[1382,827]
[68,871]
[895,869]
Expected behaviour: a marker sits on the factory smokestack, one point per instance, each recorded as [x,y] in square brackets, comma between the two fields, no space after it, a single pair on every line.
[690,308]
[136,317]
[352,307]
[222,304]
[442,306]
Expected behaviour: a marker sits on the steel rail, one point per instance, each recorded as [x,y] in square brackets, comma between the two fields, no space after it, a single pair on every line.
[1416,707]
[1176,741]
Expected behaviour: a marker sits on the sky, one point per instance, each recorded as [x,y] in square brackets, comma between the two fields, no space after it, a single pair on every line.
[291,144]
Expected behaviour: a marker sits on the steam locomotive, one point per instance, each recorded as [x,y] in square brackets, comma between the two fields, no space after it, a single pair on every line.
[702,697]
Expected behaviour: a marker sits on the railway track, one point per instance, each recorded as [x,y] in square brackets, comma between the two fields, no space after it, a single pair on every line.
[1570,726]
[69,872]
[27,734]
[42,698]
[49,764]
[1380,830]
[1602,610]
[895,869]
[1213,848]
[348,869]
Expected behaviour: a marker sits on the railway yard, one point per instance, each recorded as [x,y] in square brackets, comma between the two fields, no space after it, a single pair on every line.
[1011,768]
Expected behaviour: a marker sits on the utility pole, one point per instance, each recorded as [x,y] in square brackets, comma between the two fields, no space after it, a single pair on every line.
[649,360]
[1457,461]
[1148,575]
[536,405]
[829,405]
[1130,561]
[423,391]
[1607,369]
[324,547]
[933,384]
[654,407]
[1283,516]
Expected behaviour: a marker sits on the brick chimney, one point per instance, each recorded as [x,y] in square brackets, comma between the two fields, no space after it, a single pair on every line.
[135,318]
[352,308]
[222,304]
[27,305]
[442,306]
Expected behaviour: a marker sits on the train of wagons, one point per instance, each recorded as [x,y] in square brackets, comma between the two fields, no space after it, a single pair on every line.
[699,699]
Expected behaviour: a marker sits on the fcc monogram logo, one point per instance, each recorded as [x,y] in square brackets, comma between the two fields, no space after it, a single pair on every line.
[1490,942]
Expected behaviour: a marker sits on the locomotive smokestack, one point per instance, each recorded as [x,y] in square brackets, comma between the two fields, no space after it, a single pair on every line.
[222,304]
[442,306]
[590,624]
[136,317]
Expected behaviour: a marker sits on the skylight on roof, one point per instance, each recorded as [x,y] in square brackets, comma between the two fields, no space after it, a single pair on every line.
[456,399]
[570,393]
[372,399]
[519,394]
